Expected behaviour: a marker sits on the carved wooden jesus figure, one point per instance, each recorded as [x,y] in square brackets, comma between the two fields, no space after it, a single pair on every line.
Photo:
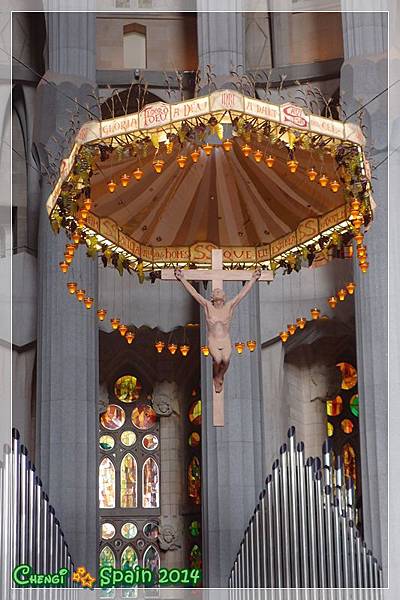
[219,314]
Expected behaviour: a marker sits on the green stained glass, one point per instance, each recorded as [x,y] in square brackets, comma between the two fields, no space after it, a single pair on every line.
[129,559]
[194,480]
[195,413]
[126,388]
[195,557]
[106,442]
[107,557]
[354,405]
[194,528]
[129,531]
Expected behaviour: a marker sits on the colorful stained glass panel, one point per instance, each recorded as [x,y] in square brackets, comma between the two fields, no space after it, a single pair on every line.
[150,442]
[194,439]
[349,375]
[195,413]
[195,557]
[143,417]
[334,407]
[106,442]
[347,426]
[329,429]
[128,438]
[151,530]
[128,482]
[151,484]
[107,531]
[151,559]
[354,405]
[129,558]
[107,557]
[125,388]
[129,531]
[113,418]
[106,484]
[194,481]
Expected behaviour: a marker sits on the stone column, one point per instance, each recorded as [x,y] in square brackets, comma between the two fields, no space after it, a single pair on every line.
[67,350]
[364,74]
[233,469]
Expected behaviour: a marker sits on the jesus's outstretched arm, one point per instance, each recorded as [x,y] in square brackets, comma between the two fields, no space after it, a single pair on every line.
[245,289]
[198,297]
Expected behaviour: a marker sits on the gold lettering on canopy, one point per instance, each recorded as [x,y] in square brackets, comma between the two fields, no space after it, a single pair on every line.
[307,230]
[283,244]
[109,229]
[334,217]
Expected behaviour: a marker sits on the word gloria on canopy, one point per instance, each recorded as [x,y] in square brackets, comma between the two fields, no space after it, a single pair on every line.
[270,184]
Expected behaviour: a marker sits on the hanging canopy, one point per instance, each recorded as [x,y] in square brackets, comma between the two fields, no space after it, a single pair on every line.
[243,183]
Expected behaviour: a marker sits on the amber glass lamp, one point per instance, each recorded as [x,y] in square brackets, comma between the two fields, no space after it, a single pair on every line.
[334,185]
[184,349]
[284,336]
[101,313]
[122,329]
[312,174]
[350,287]
[364,267]
[72,287]
[76,237]
[332,301]
[64,266]
[315,313]
[270,161]
[70,249]
[361,251]
[205,350]
[137,174]
[359,237]
[83,214]
[227,145]
[323,180]
[88,302]
[207,149]
[246,149]
[115,322]
[158,165]
[172,348]
[159,346]
[292,328]
[342,293]
[68,258]
[292,165]
[112,186]
[195,155]
[239,347]
[301,322]
[258,156]
[181,160]
[80,294]
[87,203]
[125,179]
[129,336]
[252,345]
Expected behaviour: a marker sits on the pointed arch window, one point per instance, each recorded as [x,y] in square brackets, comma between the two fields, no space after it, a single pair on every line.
[107,557]
[151,559]
[128,481]
[106,484]
[151,484]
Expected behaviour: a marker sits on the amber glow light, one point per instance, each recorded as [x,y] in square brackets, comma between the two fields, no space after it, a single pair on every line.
[101,313]
[270,161]
[315,313]
[159,346]
[76,237]
[332,301]
[205,350]
[364,267]
[72,287]
[64,266]
[172,348]
[334,185]
[115,322]
[195,155]
[83,214]
[292,165]
[359,237]
[350,287]
[158,166]
[258,156]
[184,349]
[323,180]
[239,347]
[227,145]
[361,251]
[342,294]
[125,179]
[301,322]
[292,328]
[112,186]
[312,174]
[284,336]
[70,249]
[129,336]
[80,294]
[246,149]
[137,174]
[251,344]
[207,149]
[68,258]
[181,160]
[87,203]
[122,329]
[88,302]
[363,259]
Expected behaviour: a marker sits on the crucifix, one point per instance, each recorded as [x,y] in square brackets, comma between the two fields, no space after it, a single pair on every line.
[219,314]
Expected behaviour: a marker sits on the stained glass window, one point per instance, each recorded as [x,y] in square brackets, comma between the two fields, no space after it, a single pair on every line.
[349,461]
[195,413]
[129,558]
[195,557]
[107,531]
[129,531]
[354,405]
[194,481]
[151,484]
[106,484]
[143,417]
[126,388]
[334,407]
[128,438]
[106,442]
[150,442]
[329,429]
[128,482]
[194,528]
[194,439]
[151,559]
[347,426]
[107,557]
[151,530]
[349,375]
[113,418]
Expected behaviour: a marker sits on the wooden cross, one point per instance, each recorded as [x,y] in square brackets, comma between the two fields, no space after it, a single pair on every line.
[217,275]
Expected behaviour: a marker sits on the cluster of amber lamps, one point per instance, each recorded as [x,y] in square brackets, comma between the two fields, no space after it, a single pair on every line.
[315,312]
[239,347]
[357,220]
[258,155]
[171,347]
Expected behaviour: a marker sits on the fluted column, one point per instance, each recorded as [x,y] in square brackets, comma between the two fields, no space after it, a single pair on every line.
[364,74]
[67,354]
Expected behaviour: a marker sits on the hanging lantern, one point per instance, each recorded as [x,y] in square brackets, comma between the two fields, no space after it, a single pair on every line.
[158,165]
[184,349]
[112,186]
[334,185]
[195,155]
[354,213]
[292,328]
[258,156]
[361,251]
[332,301]
[227,145]
[115,322]
[169,146]
[70,249]
[181,160]
[83,214]
[122,329]
[292,165]
[364,267]
[87,203]
[246,149]
[342,293]
[284,336]
[350,287]
[315,313]
[358,221]
[312,174]
[64,266]
[129,336]
[76,237]
[124,179]
[355,204]
[205,349]
[323,180]
[359,237]
[80,294]
[207,149]
[301,322]
[88,302]
[137,174]
[172,348]
[252,345]
[239,347]
[159,346]
[270,161]
[68,258]
[72,287]
[101,313]
[362,259]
